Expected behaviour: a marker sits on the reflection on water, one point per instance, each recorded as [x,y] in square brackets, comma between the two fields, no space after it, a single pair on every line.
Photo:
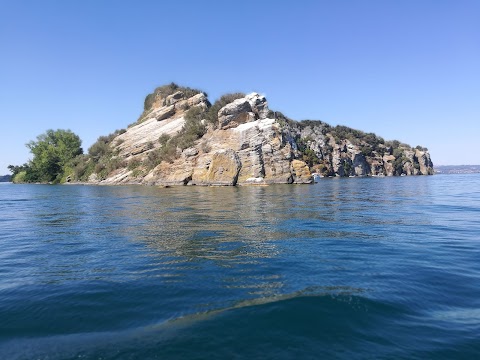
[226,236]
[86,259]
[96,232]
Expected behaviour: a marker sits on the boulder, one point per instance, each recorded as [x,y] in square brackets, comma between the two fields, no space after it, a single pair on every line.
[167,174]
[301,173]
[235,113]
[197,99]
[258,104]
[190,152]
[175,97]
[164,112]
[388,164]
[360,165]
[222,169]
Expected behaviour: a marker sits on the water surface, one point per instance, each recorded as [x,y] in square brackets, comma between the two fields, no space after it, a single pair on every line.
[347,268]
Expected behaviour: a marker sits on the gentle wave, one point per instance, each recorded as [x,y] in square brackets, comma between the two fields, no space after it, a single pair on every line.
[297,321]
[293,326]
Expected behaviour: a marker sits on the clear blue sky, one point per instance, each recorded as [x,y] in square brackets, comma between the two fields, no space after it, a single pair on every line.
[406,69]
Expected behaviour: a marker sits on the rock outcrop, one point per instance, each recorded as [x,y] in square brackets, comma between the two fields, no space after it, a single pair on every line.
[179,141]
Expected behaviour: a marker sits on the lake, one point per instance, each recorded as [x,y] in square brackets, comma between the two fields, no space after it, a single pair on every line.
[347,268]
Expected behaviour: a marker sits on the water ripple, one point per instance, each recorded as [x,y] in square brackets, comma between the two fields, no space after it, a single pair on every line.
[349,267]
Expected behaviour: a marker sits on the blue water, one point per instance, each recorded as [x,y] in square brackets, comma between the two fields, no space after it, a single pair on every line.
[348,268]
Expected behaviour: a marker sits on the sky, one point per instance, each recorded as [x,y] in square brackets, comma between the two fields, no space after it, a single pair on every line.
[406,70]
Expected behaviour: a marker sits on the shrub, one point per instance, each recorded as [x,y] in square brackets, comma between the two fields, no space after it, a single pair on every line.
[366,150]
[283,120]
[133,164]
[347,167]
[137,173]
[421,148]
[193,128]
[397,152]
[99,168]
[310,157]
[167,153]
[101,147]
[163,139]
[114,164]
[19,177]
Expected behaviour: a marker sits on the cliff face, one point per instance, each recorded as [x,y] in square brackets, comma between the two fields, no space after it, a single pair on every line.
[176,142]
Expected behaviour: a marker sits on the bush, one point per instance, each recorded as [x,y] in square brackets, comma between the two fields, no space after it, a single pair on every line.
[99,168]
[310,157]
[138,173]
[80,167]
[366,150]
[193,128]
[19,177]
[163,139]
[167,153]
[397,152]
[283,120]
[115,163]
[421,148]
[100,148]
[347,168]
[133,164]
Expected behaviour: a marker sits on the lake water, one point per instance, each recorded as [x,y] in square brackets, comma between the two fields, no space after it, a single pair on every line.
[347,268]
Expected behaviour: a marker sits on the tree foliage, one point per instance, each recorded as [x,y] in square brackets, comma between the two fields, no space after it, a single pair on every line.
[52,151]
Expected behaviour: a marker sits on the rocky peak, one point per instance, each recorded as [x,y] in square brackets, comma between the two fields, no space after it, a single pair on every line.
[249,108]
[259,105]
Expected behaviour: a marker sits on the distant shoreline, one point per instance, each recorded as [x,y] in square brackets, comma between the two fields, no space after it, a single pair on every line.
[457,169]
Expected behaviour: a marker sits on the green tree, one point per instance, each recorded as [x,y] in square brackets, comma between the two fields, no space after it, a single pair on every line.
[15,169]
[51,152]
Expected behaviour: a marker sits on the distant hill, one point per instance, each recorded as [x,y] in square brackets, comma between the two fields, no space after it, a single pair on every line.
[5,178]
[457,169]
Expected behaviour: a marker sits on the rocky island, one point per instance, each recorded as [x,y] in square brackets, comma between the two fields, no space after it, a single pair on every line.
[182,139]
